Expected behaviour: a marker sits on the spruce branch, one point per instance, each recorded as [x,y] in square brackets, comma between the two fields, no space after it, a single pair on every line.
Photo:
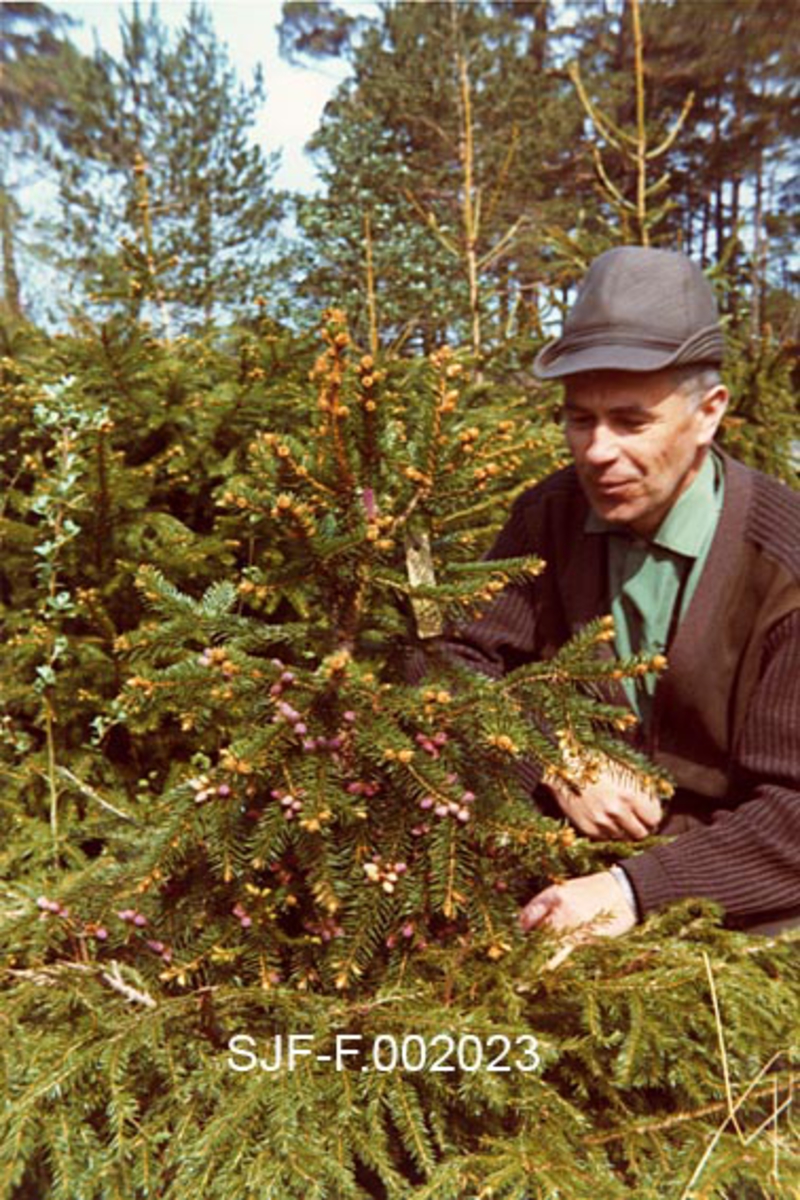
[92,794]
[646,1128]
[113,978]
[144,208]
[611,187]
[503,173]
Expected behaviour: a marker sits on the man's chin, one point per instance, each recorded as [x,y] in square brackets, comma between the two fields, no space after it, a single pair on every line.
[635,515]
[619,509]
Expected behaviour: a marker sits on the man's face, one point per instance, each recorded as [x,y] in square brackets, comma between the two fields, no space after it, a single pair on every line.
[637,442]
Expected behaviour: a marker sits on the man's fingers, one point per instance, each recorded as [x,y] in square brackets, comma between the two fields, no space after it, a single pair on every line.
[549,911]
[632,818]
[647,808]
[531,915]
[609,809]
[631,827]
[537,909]
[618,827]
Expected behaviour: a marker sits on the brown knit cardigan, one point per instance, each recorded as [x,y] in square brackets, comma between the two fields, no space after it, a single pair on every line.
[726,715]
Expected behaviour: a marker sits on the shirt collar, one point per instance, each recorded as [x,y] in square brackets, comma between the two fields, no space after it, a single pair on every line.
[686,526]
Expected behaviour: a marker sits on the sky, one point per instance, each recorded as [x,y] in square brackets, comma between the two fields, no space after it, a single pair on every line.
[296,95]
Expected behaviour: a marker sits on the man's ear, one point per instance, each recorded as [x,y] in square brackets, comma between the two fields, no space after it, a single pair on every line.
[711,410]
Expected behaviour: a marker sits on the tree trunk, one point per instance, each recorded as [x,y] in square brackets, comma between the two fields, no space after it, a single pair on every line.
[539,40]
[756,276]
[11,301]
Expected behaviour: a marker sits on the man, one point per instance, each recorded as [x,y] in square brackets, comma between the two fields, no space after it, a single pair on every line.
[697,558]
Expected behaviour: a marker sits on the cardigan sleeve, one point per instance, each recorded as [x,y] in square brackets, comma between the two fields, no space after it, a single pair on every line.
[748,858]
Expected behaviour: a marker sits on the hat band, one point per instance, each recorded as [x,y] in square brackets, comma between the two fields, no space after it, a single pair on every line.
[707,345]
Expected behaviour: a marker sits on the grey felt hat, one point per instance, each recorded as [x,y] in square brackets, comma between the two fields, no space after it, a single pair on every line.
[638,309]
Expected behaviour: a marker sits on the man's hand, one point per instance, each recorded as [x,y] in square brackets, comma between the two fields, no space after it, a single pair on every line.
[591,905]
[583,909]
[610,808]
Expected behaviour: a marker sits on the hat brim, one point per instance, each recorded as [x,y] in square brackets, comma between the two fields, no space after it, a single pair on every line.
[574,355]
[552,362]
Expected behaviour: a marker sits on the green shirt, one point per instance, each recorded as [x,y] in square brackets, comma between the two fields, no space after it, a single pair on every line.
[651,581]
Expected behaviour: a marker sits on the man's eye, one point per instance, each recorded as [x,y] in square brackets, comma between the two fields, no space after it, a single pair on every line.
[632,424]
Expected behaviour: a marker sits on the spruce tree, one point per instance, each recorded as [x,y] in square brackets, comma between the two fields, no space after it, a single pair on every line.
[287,963]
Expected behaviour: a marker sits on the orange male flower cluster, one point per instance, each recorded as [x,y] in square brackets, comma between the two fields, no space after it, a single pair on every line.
[504,743]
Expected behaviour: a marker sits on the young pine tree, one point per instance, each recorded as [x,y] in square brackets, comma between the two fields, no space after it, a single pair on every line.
[158,162]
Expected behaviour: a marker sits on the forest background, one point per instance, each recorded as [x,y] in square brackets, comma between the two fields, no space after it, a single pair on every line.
[253,446]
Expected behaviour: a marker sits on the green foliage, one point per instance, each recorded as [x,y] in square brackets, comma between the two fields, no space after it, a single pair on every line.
[163,136]
[226,811]
[112,446]
[37,67]
[313,29]
[228,815]
[762,424]
[626,1095]
[391,146]
[397,145]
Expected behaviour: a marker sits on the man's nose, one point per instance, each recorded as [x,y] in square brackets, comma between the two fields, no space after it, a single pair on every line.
[601,445]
